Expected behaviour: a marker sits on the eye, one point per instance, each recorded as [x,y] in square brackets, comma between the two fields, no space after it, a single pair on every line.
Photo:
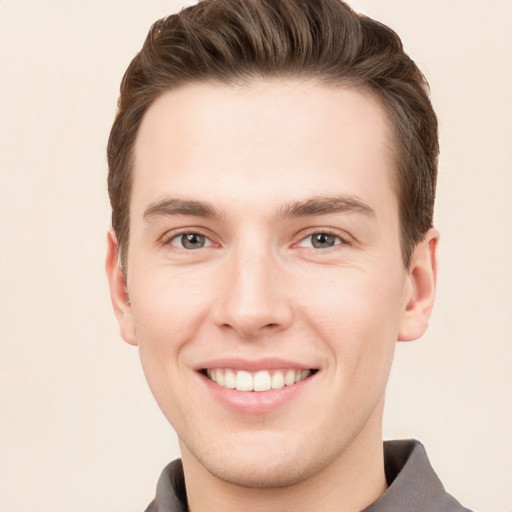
[190,241]
[321,241]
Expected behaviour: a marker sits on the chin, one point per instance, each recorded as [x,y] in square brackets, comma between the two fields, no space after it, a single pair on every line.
[260,475]
[262,466]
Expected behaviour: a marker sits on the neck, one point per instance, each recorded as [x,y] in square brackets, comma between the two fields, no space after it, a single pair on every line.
[350,483]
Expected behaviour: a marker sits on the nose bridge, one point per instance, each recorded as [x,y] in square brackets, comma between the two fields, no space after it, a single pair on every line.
[254,299]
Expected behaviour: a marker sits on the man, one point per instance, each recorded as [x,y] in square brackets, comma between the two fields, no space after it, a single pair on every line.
[272,175]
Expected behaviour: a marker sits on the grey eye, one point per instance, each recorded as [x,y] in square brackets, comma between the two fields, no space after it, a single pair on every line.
[190,241]
[323,240]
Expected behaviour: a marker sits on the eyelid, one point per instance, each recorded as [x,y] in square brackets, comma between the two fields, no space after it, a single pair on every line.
[344,237]
[171,235]
[177,241]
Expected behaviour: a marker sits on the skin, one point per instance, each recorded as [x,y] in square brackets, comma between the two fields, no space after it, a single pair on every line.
[259,288]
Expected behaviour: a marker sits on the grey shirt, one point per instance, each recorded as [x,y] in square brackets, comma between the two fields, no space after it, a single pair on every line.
[413,484]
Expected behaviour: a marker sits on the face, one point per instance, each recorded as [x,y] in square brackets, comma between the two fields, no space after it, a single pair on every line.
[265,283]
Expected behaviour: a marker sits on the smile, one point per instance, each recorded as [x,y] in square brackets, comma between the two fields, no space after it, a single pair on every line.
[263,380]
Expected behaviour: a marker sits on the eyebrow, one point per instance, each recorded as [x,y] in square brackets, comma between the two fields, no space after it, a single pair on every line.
[326,205]
[171,206]
[309,207]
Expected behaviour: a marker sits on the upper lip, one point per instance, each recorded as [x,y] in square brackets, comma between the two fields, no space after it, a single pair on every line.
[253,365]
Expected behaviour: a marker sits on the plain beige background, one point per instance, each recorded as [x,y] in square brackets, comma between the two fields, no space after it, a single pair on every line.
[79,430]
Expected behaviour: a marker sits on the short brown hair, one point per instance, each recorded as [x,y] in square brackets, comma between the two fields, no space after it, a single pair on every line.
[237,40]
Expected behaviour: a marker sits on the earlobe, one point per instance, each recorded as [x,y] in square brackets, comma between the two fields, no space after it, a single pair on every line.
[421,288]
[118,291]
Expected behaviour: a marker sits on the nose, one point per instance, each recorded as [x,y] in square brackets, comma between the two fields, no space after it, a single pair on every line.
[253,299]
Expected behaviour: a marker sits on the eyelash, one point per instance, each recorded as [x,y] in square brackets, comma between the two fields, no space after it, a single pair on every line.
[341,239]
[168,240]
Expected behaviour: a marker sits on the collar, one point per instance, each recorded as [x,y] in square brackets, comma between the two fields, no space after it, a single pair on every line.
[413,484]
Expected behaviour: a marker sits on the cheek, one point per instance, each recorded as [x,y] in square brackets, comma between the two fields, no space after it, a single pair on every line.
[167,307]
[357,316]
[168,313]
[353,300]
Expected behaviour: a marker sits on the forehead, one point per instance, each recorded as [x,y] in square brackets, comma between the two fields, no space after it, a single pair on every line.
[271,139]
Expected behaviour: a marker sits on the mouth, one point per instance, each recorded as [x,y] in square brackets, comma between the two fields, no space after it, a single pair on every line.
[262,380]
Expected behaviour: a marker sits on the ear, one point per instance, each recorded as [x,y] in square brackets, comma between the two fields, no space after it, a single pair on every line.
[118,291]
[420,288]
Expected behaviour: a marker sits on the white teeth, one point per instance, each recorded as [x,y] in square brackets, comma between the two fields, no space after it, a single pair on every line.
[244,381]
[289,378]
[230,379]
[277,380]
[262,380]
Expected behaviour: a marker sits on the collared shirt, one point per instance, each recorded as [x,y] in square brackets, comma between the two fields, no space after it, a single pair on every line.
[413,484]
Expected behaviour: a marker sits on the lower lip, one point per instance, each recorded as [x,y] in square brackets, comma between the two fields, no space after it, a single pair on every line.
[255,402]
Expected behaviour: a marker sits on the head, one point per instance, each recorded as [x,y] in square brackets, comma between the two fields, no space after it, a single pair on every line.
[238,41]
[272,172]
